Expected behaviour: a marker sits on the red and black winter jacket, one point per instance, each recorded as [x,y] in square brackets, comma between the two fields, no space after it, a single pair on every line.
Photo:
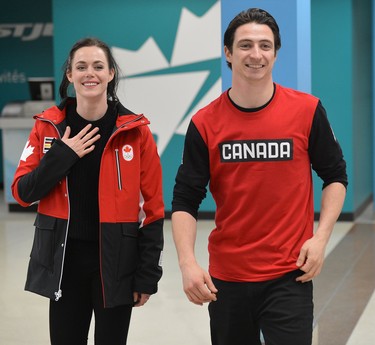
[131,208]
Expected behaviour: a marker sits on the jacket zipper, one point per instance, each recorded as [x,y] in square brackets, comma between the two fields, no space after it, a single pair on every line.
[58,293]
[118,170]
[119,180]
[120,188]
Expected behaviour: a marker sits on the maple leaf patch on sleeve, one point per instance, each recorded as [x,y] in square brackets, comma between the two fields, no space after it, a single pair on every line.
[27,151]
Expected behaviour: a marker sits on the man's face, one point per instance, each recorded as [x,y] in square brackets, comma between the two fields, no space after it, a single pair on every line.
[253,53]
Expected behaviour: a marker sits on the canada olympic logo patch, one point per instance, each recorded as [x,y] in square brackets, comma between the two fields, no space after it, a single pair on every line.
[127,152]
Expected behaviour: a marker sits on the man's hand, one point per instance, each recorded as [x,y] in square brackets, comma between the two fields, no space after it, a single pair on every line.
[311,258]
[197,284]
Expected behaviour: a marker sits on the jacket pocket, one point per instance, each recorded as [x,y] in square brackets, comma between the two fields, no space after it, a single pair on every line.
[128,256]
[118,170]
[44,241]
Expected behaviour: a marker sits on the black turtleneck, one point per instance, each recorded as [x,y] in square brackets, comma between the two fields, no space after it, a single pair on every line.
[83,179]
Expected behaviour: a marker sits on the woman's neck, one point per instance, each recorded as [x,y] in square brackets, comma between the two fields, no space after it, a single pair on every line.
[91,110]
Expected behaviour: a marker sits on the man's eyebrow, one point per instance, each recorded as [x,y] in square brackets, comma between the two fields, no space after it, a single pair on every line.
[251,40]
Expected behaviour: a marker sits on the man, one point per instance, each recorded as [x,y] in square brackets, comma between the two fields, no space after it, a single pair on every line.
[255,146]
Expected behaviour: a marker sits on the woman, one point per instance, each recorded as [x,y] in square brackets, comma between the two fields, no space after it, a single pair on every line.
[93,167]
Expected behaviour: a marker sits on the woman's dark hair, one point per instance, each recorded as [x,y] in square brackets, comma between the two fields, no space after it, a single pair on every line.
[252,15]
[90,42]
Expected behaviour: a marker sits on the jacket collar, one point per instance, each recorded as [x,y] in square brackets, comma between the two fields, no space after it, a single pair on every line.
[56,114]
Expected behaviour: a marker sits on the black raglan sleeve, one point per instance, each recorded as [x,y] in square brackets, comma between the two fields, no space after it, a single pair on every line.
[54,166]
[325,153]
[193,174]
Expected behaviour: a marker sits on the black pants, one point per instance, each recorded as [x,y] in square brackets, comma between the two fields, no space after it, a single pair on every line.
[70,317]
[281,308]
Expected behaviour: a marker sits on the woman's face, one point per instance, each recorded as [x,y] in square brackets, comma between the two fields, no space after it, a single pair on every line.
[90,73]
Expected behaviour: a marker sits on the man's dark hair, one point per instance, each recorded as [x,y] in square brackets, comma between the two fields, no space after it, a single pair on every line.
[252,15]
